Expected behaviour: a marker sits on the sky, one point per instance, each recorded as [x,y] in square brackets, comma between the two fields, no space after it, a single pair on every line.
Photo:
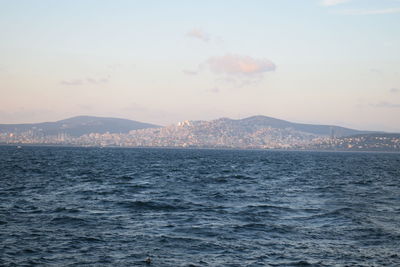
[308,61]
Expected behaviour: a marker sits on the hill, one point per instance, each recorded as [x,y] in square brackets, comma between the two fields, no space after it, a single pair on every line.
[78,126]
[259,122]
[259,132]
[252,132]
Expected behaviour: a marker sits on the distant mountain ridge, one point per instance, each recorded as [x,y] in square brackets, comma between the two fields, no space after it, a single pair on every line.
[81,125]
[259,121]
[251,132]
[78,126]
[260,132]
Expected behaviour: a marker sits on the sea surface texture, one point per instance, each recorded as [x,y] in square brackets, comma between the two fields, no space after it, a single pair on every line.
[117,207]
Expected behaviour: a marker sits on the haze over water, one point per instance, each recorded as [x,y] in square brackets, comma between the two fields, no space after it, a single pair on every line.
[91,206]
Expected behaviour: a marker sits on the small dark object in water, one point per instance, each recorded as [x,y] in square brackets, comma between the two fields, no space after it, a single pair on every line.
[148,260]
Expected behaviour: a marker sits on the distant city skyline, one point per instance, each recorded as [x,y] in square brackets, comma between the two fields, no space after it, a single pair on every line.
[308,61]
[257,132]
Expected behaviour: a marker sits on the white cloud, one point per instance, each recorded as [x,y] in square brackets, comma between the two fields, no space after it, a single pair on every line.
[369,11]
[385,104]
[75,82]
[190,72]
[97,81]
[394,90]
[214,90]
[199,34]
[239,65]
[388,44]
[333,2]
[375,70]
[78,82]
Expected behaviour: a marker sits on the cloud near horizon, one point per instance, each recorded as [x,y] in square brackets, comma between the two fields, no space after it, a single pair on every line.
[239,65]
[198,34]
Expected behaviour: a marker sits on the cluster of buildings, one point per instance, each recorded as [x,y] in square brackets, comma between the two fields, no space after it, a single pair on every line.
[220,134]
[368,142]
[34,137]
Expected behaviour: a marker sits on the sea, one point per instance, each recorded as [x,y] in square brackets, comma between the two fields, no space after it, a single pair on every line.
[77,206]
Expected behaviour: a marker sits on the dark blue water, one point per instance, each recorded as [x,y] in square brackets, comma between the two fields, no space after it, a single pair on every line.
[91,206]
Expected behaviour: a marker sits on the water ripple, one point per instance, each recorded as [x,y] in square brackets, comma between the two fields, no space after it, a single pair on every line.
[89,206]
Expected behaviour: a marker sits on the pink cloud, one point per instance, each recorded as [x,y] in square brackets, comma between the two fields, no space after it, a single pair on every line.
[238,64]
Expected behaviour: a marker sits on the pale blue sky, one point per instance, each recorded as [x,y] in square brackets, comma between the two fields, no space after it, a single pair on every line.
[314,61]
